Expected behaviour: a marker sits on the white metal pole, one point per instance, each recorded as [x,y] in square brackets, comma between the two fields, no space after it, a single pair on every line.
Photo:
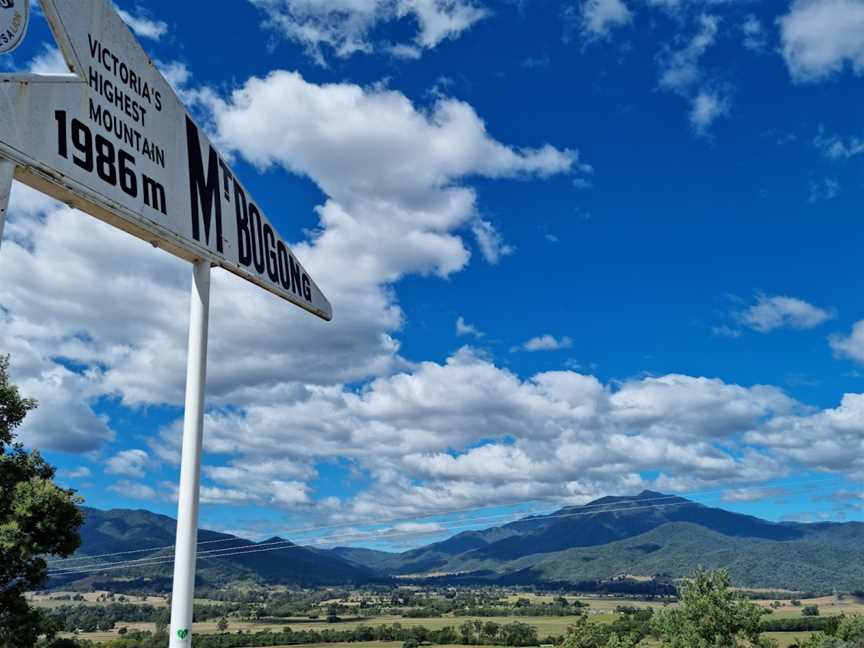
[7,172]
[190,462]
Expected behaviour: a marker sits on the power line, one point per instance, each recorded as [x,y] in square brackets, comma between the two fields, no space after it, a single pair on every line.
[304,530]
[151,561]
[604,508]
[312,529]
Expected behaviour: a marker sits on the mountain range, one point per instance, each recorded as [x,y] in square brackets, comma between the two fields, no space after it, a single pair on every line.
[136,546]
[650,536]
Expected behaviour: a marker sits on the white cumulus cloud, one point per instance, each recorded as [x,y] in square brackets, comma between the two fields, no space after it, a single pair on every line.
[599,17]
[821,37]
[49,61]
[81,472]
[545,343]
[851,345]
[468,433]
[346,27]
[837,148]
[706,108]
[134,490]
[780,311]
[681,72]
[680,67]
[143,25]
[130,463]
[753,494]
[464,328]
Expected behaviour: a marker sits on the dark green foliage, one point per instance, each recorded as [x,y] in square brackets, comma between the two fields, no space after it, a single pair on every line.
[37,519]
[531,609]
[635,624]
[586,634]
[810,611]
[64,643]
[849,633]
[13,408]
[803,624]
[488,633]
[87,618]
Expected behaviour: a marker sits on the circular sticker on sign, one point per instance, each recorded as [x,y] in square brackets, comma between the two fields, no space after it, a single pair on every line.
[14,17]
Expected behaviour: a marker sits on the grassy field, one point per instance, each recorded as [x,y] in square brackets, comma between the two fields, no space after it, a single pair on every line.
[545,626]
[828,606]
[600,610]
[364,644]
[54,599]
[784,640]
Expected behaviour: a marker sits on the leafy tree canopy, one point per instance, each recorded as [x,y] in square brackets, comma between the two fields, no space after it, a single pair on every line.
[710,615]
[37,519]
[587,634]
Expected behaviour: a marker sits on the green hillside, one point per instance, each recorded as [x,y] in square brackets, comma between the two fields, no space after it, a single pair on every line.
[150,538]
[675,550]
[647,536]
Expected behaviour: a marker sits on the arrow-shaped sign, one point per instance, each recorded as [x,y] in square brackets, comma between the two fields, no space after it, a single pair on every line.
[114,140]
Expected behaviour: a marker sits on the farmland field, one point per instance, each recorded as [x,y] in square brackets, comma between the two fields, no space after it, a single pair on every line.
[545,625]
[344,612]
[828,606]
[600,610]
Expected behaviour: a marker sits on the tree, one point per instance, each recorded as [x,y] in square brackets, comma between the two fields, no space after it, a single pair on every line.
[585,634]
[162,621]
[65,643]
[518,634]
[710,615]
[105,625]
[849,634]
[222,625]
[490,630]
[37,518]
[810,610]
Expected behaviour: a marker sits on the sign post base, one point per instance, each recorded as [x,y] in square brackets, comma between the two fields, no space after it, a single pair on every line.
[185,551]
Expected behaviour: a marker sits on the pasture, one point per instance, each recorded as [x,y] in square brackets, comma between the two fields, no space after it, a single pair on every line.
[599,609]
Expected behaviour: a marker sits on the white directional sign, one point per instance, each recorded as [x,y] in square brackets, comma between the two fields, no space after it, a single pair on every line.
[115,141]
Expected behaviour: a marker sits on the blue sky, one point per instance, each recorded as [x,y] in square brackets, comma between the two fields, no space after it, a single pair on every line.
[573,249]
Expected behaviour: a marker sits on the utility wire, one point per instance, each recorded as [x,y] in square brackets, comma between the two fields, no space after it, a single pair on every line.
[614,507]
[150,561]
[305,530]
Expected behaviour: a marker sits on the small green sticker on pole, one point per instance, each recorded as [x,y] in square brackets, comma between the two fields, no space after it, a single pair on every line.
[183,633]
